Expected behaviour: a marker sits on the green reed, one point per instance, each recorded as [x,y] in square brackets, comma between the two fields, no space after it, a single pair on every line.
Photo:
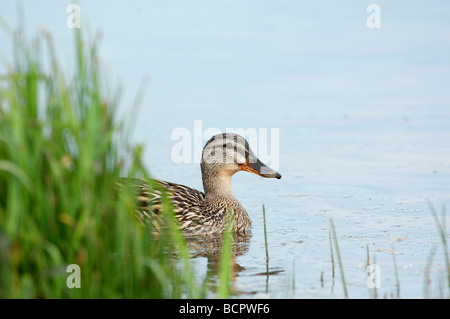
[440,225]
[338,253]
[59,161]
[226,259]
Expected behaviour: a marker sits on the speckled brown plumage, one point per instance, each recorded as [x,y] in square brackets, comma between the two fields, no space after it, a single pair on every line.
[195,214]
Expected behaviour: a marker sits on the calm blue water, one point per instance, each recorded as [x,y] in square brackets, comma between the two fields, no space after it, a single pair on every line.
[363,118]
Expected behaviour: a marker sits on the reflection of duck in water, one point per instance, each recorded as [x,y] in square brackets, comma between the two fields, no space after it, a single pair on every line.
[210,247]
[204,213]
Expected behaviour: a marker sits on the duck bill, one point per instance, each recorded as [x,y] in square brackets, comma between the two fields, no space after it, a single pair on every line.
[259,168]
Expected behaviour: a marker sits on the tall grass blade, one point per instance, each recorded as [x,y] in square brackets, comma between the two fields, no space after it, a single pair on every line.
[341,268]
[226,260]
[440,224]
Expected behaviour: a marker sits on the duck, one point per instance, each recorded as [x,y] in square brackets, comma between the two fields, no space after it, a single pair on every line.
[207,212]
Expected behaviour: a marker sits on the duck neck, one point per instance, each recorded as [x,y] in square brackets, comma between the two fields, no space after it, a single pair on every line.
[218,186]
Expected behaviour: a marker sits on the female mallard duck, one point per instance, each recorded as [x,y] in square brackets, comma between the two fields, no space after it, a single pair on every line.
[204,213]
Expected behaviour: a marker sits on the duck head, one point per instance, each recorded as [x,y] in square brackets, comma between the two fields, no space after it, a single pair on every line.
[228,153]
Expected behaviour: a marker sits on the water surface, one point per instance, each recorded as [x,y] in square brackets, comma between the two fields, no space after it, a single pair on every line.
[363,117]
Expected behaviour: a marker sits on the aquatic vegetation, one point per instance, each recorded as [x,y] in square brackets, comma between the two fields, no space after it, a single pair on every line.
[65,231]
[440,225]
[443,275]
[341,267]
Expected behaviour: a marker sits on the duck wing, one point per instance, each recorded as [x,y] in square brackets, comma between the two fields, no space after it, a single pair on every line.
[186,202]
